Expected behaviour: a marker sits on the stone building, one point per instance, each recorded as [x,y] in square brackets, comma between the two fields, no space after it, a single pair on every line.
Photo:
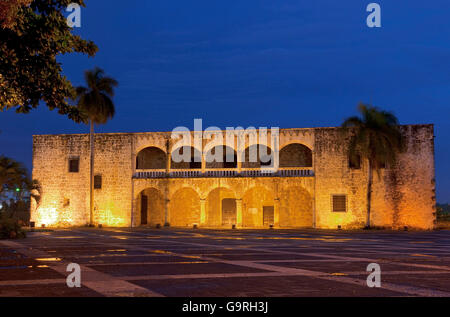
[137,182]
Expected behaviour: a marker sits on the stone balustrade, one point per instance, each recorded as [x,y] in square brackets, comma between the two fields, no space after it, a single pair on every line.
[217,173]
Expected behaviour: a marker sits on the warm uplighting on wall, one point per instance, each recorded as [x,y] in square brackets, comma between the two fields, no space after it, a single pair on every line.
[47,217]
[109,219]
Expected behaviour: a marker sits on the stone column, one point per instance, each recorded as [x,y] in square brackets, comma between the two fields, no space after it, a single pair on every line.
[239,213]
[133,171]
[202,212]
[276,212]
[203,164]
[166,187]
[169,157]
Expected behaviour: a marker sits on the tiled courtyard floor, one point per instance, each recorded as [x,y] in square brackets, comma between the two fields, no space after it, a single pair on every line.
[186,263]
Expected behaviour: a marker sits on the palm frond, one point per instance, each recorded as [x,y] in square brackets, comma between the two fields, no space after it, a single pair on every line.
[95,101]
[377,136]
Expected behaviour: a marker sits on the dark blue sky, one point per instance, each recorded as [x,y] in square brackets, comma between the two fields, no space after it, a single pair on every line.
[259,63]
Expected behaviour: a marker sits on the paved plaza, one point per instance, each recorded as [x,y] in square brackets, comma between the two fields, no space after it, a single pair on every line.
[190,263]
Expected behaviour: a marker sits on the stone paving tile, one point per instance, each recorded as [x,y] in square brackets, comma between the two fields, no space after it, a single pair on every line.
[206,251]
[75,253]
[24,272]
[142,252]
[347,266]
[50,290]
[292,286]
[185,268]
[130,259]
[439,282]
[422,260]
[263,257]
[14,266]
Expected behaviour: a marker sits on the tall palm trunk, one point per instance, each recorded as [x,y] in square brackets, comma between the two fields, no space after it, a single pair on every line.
[369,192]
[91,185]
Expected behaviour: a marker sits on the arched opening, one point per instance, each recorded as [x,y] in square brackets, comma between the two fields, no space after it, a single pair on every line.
[151,158]
[296,155]
[221,207]
[150,207]
[256,156]
[257,207]
[221,157]
[186,157]
[296,207]
[185,208]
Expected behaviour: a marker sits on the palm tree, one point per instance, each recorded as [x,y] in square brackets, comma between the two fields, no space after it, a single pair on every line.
[13,175]
[95,102]
[376,138]
[35,190]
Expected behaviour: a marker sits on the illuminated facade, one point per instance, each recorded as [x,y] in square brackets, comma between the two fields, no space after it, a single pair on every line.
[137,182]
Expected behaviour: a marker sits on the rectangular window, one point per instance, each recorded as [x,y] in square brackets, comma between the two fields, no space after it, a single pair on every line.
[355,162]
[98,182]
[74,165]
[339,203]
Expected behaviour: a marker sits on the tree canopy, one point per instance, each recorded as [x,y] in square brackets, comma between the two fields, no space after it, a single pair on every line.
[94,101]
[377,136]
[13,175]
[32,35]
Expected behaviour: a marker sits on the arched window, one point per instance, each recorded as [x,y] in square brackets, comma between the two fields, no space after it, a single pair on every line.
[256,156]
[151,158]
[295,155]
[221,157]
[180,158]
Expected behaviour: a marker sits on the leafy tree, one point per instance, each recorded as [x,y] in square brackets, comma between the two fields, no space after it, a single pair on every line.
[377,139]
[95,102]
[9,10]
[13,176]
[31,38]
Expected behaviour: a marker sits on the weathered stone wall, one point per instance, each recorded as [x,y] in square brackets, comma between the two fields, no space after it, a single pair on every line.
[113,160]
[65,196]
[402,196]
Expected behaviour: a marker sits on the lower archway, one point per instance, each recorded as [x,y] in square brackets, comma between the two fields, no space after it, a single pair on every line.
[185,208]
[221,207]
[296,207]
[257,207]
[150,207]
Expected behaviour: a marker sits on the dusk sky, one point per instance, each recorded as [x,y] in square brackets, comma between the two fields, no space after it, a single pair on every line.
[264,63]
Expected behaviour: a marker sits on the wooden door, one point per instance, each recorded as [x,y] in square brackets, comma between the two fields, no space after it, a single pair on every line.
[144,209]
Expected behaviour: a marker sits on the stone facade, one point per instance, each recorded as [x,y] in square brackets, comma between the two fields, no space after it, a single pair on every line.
[142,185]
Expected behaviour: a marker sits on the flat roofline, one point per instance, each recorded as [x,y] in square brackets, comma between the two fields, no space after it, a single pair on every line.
[167,132]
